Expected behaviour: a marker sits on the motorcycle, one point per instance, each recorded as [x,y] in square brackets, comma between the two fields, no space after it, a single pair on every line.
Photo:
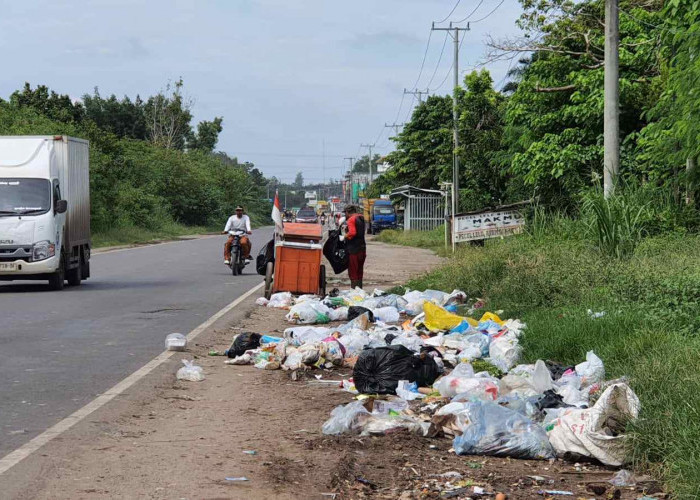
[238,261]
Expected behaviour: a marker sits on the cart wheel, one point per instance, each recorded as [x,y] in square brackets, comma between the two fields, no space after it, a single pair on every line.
[322,281]
[269,271]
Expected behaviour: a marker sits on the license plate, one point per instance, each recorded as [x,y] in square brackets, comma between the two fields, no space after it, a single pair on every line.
[8,266]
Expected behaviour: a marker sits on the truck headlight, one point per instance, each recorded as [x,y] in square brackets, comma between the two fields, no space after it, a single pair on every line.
[43,250]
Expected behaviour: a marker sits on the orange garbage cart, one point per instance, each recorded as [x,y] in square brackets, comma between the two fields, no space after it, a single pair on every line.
[297,264]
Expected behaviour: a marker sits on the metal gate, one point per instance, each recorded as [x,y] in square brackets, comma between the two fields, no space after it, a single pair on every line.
[424,209]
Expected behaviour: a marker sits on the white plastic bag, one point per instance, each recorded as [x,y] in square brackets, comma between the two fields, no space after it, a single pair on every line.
[309,313]
[190,372]
[339,314]
[504,352]
[387,314]
[463,381]
[306,298]
[591,371]
[261,301]
[541,378]
[405,390]
[598,431]
[300,335]
[408,340]
[354,342]
[175,342]
[280,300]
[346,418]
[293,361]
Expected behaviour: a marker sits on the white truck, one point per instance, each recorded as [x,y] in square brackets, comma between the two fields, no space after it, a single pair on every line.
[44,209]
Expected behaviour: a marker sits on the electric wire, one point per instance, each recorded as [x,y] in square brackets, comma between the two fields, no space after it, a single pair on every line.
[450,70]
[451,12]
[489,14]
[437,66]
[471,13]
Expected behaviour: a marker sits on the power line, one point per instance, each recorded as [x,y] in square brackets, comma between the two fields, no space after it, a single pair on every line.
[449,72]
[487,15]
[451,12]
[293,155]
[442,51]
[471,13]
[422,65]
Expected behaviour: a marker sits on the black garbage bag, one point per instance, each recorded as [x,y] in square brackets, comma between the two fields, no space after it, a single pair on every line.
[550,399]
[355,311]
[557,369]
[378,370]
[334,251]
[266,254]
[244,342]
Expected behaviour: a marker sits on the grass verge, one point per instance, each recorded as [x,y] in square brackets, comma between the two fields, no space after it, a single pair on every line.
[649,332]
[130,235]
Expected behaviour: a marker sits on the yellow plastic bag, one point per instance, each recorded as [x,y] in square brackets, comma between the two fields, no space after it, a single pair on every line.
[437,318]
[489,315]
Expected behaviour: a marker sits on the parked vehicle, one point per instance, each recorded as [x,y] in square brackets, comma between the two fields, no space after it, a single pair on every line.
[379,214]
[307,215]
[237,262]
[44,209]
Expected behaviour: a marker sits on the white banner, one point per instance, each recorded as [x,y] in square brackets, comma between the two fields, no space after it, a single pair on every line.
[491,224]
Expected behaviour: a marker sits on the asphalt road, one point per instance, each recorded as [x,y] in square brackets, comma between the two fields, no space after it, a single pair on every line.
[58,350]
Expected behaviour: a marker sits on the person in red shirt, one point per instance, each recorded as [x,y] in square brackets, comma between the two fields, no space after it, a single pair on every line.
[355,245]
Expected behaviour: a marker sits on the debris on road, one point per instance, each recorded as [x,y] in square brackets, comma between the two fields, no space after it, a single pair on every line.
[175,342]
[190,372]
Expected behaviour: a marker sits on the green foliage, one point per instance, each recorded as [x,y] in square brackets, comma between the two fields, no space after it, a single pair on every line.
[140,186]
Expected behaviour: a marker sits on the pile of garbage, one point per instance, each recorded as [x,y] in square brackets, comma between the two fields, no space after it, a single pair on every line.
[422,363]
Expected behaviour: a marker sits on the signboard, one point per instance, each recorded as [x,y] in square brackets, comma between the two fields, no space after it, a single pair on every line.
[310,195]
[490,224]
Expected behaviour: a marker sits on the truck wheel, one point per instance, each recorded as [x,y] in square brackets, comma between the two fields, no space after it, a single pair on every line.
[56,280]
[269,273]
[74,275]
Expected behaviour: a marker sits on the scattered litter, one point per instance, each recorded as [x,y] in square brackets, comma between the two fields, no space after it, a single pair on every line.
[555,492]
[237,479]
[175,342]
[190,372]
[595,315]
[623,478]
[250,452]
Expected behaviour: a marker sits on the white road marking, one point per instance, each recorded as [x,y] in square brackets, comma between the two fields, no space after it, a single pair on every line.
[16,456]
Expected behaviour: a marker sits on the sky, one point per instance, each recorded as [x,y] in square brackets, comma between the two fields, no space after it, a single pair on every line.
[291,78]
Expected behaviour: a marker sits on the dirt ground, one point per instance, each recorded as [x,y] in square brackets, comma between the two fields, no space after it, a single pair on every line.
[169,439]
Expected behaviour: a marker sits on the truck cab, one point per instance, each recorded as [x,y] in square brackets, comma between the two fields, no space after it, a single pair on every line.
[383,216]
[44,209]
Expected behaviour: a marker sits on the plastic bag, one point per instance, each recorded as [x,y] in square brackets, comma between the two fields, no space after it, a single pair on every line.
[346,418]
[541,378]
[280,300]
[464,382]
[623,478]
[415,308]
[408,390]
[300,335]
[490,429]
[437,318]
[597,432]
[244,342]
[384,424]
[293,361]
[387,314]
[308,297]
[409,340]
[591,371]
[395,406]
[355,311]
[261,301]
[335,253]
[504,352]
[354,342]
[190,372]
[308,313]
[338,314]
[175,342]
[378,370]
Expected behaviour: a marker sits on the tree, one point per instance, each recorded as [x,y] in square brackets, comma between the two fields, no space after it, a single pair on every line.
[123,118]
[207,135]
[361,166]
[168,117]
[299,181]
[47,102]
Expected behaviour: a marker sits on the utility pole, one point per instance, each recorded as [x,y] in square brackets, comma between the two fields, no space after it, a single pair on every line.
[395,126]
[611,111]
[454,32]
[417,92]
[369,146]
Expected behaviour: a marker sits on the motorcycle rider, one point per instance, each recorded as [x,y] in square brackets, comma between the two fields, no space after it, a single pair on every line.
[238,222]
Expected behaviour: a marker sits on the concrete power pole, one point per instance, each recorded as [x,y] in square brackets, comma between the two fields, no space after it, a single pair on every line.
[395,126]
[371,175]
[454,32]
[611,112]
